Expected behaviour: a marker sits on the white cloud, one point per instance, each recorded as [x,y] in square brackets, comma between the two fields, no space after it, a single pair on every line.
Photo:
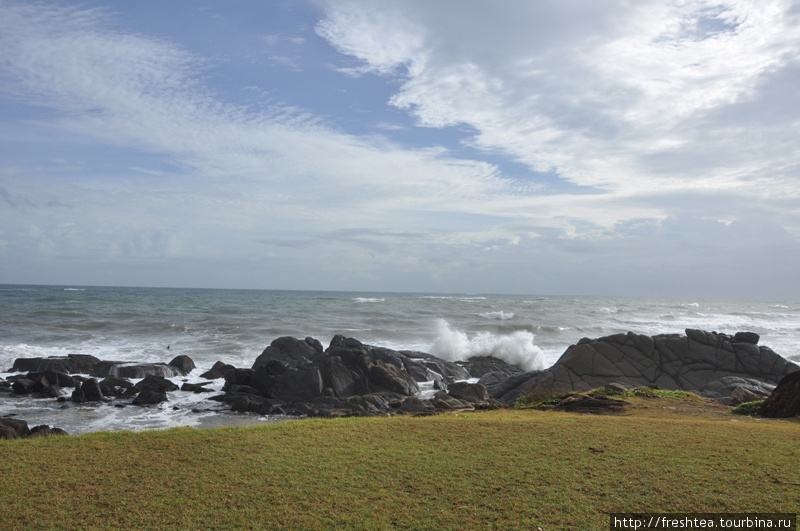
[596,93]
[649,121]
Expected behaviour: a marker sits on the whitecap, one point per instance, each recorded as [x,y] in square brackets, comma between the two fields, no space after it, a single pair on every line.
[367,299]
[516,348]
[501,315]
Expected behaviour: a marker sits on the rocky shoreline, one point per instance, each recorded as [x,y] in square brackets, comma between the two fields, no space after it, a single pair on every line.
[301,378]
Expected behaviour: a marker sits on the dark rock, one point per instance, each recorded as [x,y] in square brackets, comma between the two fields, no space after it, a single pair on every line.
[183,363]
[478,366]
[103,368]
[141,370]
[784,402]
[13,428]
[290,350]
[702,362]
[337,377]
[217,371]
[390,378]
[155,383]
[746,337]
[149,397]
[70,364]
[471,392]
[113,386]
[450,372]
[23,386]
[244,389]
[413,404]
[51,378]
[298,384]
[236,376]
[444,401]
[91,391]
[78,395]
[45,431]
[196,388]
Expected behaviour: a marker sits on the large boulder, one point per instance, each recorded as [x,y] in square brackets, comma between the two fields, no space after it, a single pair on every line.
[784,402]
[708,363]
[148,398]
[183,363]
[11,428]
[70,364]
[290,350]
[91,391]
[152,382]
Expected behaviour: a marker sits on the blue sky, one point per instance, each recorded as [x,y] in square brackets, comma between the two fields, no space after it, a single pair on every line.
[581,147]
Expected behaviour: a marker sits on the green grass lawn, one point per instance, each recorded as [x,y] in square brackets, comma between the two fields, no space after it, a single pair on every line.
[506,469]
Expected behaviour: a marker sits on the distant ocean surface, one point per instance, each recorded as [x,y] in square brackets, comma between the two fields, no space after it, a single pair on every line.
[234,326]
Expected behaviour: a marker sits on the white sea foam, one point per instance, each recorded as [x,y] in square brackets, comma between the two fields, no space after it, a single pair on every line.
[501,315]
[516,348]
[367,299]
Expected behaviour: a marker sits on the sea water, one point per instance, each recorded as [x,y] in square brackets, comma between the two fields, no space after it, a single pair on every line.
[234,326]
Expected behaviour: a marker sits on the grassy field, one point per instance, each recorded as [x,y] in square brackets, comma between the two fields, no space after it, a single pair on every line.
[507,469]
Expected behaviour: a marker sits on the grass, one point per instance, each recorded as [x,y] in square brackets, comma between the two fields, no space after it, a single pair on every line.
[535,400]
[505,469]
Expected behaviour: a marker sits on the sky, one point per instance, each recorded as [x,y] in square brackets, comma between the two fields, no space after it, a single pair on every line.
[575,147]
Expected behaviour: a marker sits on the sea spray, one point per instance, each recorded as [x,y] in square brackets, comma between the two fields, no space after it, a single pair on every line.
[516,348]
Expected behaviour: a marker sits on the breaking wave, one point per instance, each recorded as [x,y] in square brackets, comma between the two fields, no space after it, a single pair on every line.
[516,348]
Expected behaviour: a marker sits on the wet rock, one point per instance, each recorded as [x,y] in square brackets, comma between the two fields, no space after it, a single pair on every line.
[183,363]
[113,386]
[23,386]
[156,384]
[217,371]
[142,370]
[149,397]
[70,364]
[91,391]
[197,388]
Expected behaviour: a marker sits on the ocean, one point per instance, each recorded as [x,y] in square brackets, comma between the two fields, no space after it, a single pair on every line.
[234,326]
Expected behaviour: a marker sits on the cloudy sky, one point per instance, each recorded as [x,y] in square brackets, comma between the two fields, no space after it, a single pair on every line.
[554,147]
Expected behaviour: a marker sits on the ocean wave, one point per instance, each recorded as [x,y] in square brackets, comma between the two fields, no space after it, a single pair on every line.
[516,348]
[367,299]
[501,315]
